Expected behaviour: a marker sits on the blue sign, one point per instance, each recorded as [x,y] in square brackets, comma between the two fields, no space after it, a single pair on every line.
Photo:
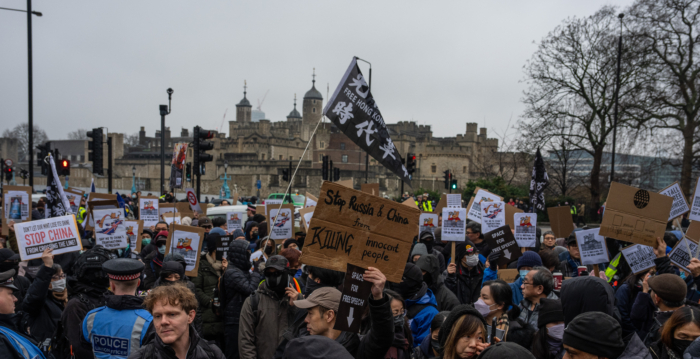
[110,345]
[258,184]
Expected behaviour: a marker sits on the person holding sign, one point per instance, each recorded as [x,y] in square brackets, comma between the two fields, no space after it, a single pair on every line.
[464,278]
[420,302]
[664,293]
[571,260]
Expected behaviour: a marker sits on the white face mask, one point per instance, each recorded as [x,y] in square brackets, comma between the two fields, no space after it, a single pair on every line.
[58,285]
[556,332]
[482,307]
[472,260]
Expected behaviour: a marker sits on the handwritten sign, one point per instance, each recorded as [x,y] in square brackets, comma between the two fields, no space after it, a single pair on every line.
[110,231]
[474,207]
[349,226]
[353,300]
[454,225]
[148,210]
[234,221]
[525,229]
[493,215]
[639,257]
[680,205]
[428,222]
[187,242]
[59,233]
[592,247]
[502,240]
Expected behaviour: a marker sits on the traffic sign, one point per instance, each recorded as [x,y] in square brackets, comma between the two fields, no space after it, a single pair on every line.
[258,184]
[8,162]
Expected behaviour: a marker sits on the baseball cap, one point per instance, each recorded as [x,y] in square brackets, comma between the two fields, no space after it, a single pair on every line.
[7,254]
[277,262]
[327,297]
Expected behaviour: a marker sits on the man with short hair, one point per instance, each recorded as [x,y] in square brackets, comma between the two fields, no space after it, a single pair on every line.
[173,308]
[474,234]
[571,260]
[661,295]
[204,222]
[12,333]
[219,222]
[224,203]
[538,284]
[160,226]
[322,313]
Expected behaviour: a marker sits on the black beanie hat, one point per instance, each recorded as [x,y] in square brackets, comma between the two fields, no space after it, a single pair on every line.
[438,319]
[213,240]
[550,312]
[595,333]
[411,282]
[455,314]
[505,350]
[462,248]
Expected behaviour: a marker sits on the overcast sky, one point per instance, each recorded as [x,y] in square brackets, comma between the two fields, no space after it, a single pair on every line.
[108,63]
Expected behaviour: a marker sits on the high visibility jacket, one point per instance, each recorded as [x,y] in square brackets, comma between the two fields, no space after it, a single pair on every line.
[573,210]
[116,333]
[426,206]
[81,214]
[612,267]
[21,345]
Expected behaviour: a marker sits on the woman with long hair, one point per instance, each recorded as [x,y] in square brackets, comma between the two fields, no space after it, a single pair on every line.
[496,301]
[549,339]
[677,333]
[403,341]
[463,334]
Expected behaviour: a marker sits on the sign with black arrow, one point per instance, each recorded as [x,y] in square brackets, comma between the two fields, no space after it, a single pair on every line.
[502,240]
[356,292]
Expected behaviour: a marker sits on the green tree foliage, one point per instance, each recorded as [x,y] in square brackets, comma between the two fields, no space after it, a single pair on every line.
[498,186]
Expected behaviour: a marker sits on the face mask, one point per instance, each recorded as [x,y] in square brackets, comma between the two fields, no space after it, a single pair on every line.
[482,307]
[523,273]
[556,332]
[311,286]
[268,250]
[277,284]
[428,279]
[145,242]
[472,260]
[58,285]
[161,249]
[254,236]
[429,245]
[680,345]
[399,319]
[435,345]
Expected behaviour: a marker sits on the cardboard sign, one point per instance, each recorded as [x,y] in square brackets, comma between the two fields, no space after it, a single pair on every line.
[510,213]
[17,206]
[639,257]
[508,275]
[561,221]
[635,215]
[74,195]
[234,221]
[353,300]
[442,203]
[346,183]
[679,255]
[693,231]
[371,188]
[187,242]
[306,214]
[454,225]
[260,209]
[184,209]
[95,197]
[149,210]
[97,205]
[282,226]
[680,205]
[526,230]
[502,240]
[222,246]
[172,217]
[349,226]
[474,207]
[133,233]
[493,215]
[110,231]
[193,200]
[164,208]
[59,233]
[694,214]
[427,222]
[592,247]
[310,200]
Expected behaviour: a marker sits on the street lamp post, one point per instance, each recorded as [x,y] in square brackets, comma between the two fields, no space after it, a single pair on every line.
[617,93]
[164,110]
[133,179]
[225,192]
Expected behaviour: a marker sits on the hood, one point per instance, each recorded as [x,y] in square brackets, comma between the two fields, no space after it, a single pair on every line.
[122,302]
[430,264]
[424,296]
[238,255]
[586,294]
[636,349]
[455,314]
[172,267]
[315,346]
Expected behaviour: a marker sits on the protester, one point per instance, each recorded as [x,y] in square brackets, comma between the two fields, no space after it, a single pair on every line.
[538,284]
[598,335]
[15,340]
[464,278]
[495,301]
[210,270]
[261,256]
[154,260]
[550,260]
[427,238]
[173,309]
[10,260]
[251,233]
[250,212]
[421,305]
[571,260]
[294,270]
[430,267]
[548,342]
[477,238]
[661,295]
[463,334]
[624,299]
[401,346]
[219,222]
[316,347]
[505,350]
[173,272]
[45,300]
[204,222]
[238,234]
[678,332]
[419,250]
[524,264]
[586,294]
[430,347]
[291,243]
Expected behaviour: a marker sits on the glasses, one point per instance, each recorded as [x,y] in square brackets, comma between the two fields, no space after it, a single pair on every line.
[207,227]
[57,277]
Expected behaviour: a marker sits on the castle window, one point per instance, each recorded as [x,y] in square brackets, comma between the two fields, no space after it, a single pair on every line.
[320,157]
[433,168]
[263,157]
[342,146]
[464,169]
[313,110]
[290,158]
[323,144]
[345,158]
[281,157]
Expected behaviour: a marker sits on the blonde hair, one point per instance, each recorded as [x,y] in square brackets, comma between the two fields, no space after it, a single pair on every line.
[464,326]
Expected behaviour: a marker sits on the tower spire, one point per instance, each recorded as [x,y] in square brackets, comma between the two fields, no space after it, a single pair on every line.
[313,82]
[295,101]
[245,88]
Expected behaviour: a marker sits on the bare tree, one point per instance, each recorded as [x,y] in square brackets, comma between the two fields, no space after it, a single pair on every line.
[562,163]
[509,161]
[79,134]
[131,140]
[21,133]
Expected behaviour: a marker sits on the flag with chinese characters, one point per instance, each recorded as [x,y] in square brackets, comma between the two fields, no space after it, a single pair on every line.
[353,110]
[56,201]
[540,181]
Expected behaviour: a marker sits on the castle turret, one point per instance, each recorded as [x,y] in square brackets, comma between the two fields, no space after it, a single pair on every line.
[243,108]
[294,115]
[313,105]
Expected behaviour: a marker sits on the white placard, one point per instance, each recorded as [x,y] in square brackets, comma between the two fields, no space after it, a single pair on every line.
[427,222]
[493,215]
[310,202]
[680,206]
[192,199]
[592,247]
[148,211]
[172,219]
[475,211]
[131,228]
[454,200]
[525,229]
[282,227]
[234,221]
[17,205]
[679,254]
[164,210]
[110,231]
[639,257]
[73,199]
[694,214]
[59,233]
[91,219]
[454,224]
[307,218]
[186,244]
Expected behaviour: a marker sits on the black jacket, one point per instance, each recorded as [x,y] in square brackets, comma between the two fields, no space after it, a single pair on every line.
[82,299]
[379,338]
[466,284]
[199,349]
[446,299]
[42,309]
[22,283]
[587,294]
[152,270]
[15,323]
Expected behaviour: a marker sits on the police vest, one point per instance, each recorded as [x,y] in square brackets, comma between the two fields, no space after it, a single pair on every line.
[81,214]
[115,333]
[427,206]
[22,345]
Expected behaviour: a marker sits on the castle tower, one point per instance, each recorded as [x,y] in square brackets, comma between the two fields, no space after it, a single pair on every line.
[313,105]
[243,108]
[294,115]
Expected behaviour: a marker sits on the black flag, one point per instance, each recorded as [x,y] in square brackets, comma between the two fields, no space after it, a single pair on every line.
[353,110]
[56,201]
[539,182]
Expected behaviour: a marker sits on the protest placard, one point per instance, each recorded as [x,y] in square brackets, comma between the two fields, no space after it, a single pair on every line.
[353,300]
[17,206]
[502,240]
[346,183]
[454,225]
[59,233]
[222,246]
[592,247]
[306,213]
[635,215]
[693,231]
[166,208]
[282,226]
[73,195]
[350,226]
[679,254]
[148,210]
[510,212]
[310,200]
[454,200]
[371,188]
[187,242]
[428,222]
[133,232]
[694,214]
[680,205]
[193,201]
[234,221]
[99,204]
[442,203]
[273,202]
[493,215]
[639,257]
[184,209]
[410,203]
[93,198]
[508,275]
[110,231]
[474,206]
[171,217]
[526,229]
[561,221]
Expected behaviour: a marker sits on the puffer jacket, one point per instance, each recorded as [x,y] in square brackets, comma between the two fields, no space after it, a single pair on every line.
[465,283]
[446,300]
[205,284]
[42,309]
[199,349]
[421,309]
[83,298]
[235,286]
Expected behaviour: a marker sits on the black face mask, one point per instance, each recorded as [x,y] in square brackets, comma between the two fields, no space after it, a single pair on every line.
[428,279]
[680,345]
[311,286]
[277,283]
[429,245]
[435,345]
[268,250]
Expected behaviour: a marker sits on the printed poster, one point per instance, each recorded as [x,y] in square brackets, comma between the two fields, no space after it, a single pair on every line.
[592,247]
[222,246]
[59,233]
[234,221]
[177,165]
[501,240]
[679,255]
[187,242]
[493,215]
[171,217]
[525,229]
[694,214]
[164,208]
[475,208]
[454,200]
[427,222]
[282,226]
[133,233]
[110,230]
[310,200]
[454,224]
[680,205]
[148,211]
[192,199]
[273,201]
[639,257]
[73,195]
[17,206]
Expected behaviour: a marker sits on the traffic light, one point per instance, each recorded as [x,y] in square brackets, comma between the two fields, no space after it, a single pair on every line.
[8,173]
[285,175]
[200,148]
[95,145]
[324,168]
[24,174]
[411,164]
[336,174]
[188,171]
[63,168]
[42,154]
[454,184]
[447,178]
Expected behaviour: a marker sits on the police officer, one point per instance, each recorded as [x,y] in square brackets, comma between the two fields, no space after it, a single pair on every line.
[122,326]
[81,210]
[14,339]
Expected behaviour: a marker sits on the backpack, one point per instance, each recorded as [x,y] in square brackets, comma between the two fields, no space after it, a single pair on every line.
[90,263]
[60,347]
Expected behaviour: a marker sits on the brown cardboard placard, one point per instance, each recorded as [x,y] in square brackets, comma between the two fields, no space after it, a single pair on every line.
[561,221]
[438,208]
[510,212]
[693,231]
[184,209]
[135,227]
[302,213]
[99,204]
[410,203]
[508,275]
[186,249]
[360,229]
[260,209]
[94,197]
[26,190]
[165,208]
[309,197]
[371,188]
[635,215]
[346,183]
